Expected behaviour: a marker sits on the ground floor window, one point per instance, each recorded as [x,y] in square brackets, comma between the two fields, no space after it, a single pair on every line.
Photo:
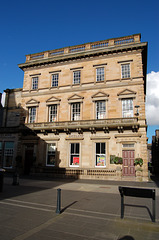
[74,154]
[100,155]
[51,154]
[8,154]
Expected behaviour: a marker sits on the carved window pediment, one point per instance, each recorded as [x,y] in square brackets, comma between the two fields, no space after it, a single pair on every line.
[32,102]
[75,98]
[127,94]
[53,100]
[100,96]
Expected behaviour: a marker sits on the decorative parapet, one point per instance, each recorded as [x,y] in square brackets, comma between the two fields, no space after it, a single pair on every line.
[85,47]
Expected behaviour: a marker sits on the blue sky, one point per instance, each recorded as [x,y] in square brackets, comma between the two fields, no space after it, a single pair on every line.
[33,26]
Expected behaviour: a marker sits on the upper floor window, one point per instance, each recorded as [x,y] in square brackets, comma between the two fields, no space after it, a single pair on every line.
[100,110]
[75,111]
[125,70]
[55,79]
[76,77]
[53,113]
[127,108]
[32,114]
[100,74]
[35,83]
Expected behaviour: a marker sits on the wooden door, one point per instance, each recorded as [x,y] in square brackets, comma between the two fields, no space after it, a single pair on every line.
[128,163]
[28,160]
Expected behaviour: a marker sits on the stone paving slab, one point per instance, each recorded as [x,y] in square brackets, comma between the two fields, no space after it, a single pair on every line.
[90,211]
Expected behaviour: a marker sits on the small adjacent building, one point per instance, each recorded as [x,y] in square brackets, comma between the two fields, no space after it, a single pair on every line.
[81,107]
[155,152]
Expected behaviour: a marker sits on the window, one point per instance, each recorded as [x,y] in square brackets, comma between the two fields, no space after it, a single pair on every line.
[32,114]
[100,74]
[100,110]
[1,164]
[127,108]
[75,115]
[53,113]
[8,154]
[55,78]
[51,154]
[74,154]
[76,77]
[100,155]
[35,83]
[125,70]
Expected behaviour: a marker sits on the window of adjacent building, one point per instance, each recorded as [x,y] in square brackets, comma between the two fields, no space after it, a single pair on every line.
[51,154]
[76,77]
[55,79]
[74,154]
[8,154]
[100,110]
[100,155]
[1,165]
[100,74]
[75,111]
[127,108]
[125,70]
[53,113]
[32,114]
[35,83]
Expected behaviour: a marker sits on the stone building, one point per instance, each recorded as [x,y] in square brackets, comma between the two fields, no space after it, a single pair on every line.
[10,131]
[83,107]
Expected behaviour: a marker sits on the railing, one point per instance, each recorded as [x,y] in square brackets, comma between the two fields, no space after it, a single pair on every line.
[84,47]
[85,124]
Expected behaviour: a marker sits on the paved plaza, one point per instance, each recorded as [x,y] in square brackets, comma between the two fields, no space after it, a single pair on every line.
[90,210]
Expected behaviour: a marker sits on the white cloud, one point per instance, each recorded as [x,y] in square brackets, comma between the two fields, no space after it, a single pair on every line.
[152,98]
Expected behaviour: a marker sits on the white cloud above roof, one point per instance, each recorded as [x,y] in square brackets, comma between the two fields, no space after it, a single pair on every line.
[152,98]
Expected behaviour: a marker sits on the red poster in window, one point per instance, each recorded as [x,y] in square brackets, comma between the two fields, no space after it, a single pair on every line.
[75,160]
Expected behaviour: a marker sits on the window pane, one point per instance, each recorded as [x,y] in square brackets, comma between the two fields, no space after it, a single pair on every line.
[55,78]
[100,155]
[100,110]
[75,111]
[100,74]
[125,68]
[32,114]
[127,108]
[34,82]
[51,153]
[8,154]
[76,77]
[53,113]
[74,154]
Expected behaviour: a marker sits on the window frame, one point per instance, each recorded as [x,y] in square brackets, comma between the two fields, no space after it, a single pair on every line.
[51,114]
[35,84]
[52,153]
[55,81]
[100,154]
[128,111]
[75,113]
[76,77]
[125,73]
[29,114]
[75,154]
[100,77]
[100,112]
[6,154]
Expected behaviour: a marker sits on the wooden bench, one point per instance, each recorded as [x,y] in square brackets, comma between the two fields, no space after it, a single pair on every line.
[137,192]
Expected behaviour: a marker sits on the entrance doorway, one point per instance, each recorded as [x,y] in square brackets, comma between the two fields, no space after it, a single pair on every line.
[128,163]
